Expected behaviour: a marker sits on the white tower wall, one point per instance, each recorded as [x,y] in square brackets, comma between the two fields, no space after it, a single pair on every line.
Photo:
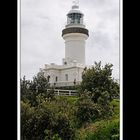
[75,46]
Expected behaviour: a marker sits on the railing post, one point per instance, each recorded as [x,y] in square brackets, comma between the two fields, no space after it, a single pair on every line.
[58,92]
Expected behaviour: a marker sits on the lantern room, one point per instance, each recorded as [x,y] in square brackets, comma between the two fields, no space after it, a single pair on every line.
[75,16]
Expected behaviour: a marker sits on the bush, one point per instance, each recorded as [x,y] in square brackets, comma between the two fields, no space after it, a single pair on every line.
[64,127]
[86,110]
[54,137]
[115,104]
[107,131]
[38,123]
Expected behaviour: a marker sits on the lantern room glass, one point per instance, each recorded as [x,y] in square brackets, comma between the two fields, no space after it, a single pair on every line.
[75,18]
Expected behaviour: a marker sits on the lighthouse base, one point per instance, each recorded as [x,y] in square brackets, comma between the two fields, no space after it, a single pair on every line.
[63,75]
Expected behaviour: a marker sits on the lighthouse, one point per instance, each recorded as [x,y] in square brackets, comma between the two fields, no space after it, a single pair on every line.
[75,35]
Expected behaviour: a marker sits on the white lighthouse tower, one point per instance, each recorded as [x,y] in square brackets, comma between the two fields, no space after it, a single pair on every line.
[75,35]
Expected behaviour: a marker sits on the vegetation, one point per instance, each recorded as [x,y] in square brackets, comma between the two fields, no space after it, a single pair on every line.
[93,115]
[101,130]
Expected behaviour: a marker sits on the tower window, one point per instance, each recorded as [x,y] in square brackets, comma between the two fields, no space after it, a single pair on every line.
[66,77]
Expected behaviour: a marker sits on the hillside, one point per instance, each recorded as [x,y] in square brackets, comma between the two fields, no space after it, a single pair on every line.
[91,115]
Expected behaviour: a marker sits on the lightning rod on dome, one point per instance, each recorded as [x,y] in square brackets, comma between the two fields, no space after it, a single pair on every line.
[75,4]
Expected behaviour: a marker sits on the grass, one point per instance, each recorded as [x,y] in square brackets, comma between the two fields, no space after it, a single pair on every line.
[70,99]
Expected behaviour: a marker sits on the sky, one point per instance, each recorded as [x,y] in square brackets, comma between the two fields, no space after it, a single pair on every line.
[42,22]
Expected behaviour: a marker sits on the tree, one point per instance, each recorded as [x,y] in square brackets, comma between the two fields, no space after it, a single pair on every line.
[98,80]
[30,90]
[25,88]
[100,85]
[39,84]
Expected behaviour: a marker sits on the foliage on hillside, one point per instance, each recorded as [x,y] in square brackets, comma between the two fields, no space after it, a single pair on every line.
[93,115]
[106,129]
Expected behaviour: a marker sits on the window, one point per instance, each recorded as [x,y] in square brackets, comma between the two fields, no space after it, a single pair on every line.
[75,17]
[48,78]
[56,78]
[65,63]
[66,76]
[74,81]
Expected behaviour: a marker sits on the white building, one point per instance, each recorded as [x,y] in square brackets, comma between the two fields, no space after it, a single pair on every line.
[75,35]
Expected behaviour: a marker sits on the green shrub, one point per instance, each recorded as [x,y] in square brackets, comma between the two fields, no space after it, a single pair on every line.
[115,104]
[86,111]
[64,127]
[107,131]
[54,137]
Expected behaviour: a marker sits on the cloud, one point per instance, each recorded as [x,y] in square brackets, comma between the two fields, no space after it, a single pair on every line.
[42,22]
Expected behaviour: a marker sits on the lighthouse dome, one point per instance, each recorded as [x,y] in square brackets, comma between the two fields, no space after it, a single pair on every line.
[75,9]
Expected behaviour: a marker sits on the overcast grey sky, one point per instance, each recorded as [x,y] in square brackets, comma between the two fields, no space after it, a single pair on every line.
[42,22]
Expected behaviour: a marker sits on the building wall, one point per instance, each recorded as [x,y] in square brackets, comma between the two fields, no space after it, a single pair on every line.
[73,73]
[52,73]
